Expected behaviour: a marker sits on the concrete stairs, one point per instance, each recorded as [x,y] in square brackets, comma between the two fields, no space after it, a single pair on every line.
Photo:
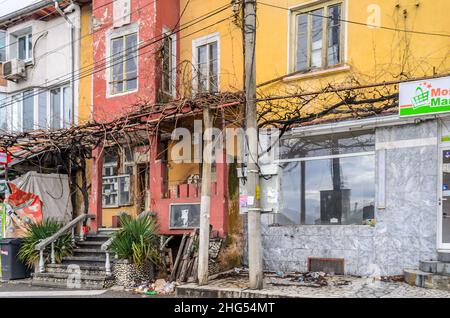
[431,274]
[85,269]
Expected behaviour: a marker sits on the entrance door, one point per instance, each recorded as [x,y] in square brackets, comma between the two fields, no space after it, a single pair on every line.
[444,217]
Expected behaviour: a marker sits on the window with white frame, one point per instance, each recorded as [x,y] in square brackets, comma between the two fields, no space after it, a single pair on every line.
[60,107]
[124,63]
[117,172]
[4,114]
[25,46]
[36,109]
[2,46]
[318,40]
[168,83]
[328,179]
[206,64]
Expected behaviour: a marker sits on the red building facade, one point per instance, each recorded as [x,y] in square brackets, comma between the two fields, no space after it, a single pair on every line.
[128,39]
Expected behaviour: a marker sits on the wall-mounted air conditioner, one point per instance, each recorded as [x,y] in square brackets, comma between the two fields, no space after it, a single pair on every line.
[14,70]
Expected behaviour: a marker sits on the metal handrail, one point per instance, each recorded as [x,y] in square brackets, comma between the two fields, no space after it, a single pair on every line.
[51,240]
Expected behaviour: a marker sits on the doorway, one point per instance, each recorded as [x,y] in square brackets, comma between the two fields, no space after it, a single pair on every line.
[444,202]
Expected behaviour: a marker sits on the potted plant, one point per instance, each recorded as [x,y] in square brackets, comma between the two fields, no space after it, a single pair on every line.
[136,247]
[35,233]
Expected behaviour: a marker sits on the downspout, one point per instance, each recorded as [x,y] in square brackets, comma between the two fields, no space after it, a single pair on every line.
[72,48]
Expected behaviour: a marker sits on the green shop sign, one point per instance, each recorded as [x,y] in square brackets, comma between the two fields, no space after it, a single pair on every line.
[425,97]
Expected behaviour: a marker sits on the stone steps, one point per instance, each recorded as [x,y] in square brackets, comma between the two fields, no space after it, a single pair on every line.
[435,267]
[444,257]
[84,269]
[87,264]
[85,260]
[64,285]
[416,277]
[88,252]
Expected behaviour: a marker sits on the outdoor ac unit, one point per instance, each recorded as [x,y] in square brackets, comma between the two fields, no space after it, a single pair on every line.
[14,70]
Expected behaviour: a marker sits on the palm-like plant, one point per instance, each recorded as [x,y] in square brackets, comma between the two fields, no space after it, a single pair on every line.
[36,232]
[137,240]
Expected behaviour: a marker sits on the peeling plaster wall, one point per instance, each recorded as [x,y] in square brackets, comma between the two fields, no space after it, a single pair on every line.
[143,15]
[405,231]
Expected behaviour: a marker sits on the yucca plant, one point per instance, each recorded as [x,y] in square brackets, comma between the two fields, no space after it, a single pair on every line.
[40,231]
[137,240]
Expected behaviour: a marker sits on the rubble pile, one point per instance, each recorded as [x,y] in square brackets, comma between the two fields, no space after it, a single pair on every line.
[159,287]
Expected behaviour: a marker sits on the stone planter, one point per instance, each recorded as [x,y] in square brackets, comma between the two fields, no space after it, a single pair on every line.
[129,275]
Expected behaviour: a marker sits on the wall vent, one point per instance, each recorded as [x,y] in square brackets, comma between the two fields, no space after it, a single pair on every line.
[326,265]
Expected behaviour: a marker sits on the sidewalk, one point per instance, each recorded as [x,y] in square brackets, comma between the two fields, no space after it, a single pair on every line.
[337,287]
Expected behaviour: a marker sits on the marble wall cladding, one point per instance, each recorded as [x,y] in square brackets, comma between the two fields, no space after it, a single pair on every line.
[405,230]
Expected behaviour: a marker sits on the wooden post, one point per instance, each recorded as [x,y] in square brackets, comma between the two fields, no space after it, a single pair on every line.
[205,202]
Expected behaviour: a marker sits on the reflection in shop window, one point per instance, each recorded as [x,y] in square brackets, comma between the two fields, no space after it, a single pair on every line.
[333,182]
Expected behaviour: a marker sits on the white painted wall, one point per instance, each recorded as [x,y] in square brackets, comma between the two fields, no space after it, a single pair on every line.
[50,65]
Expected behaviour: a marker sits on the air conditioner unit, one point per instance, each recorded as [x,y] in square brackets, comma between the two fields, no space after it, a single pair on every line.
[14,70]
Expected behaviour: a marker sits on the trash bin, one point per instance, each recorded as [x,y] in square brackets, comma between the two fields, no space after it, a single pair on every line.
[12,268]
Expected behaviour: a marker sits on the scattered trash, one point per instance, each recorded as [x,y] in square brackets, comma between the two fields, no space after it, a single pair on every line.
[280,274]
[392,279]
[159,287]
[169,288]
[151,293]
[312,279]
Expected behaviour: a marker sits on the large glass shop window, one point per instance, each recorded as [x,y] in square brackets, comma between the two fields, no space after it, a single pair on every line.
[328,179]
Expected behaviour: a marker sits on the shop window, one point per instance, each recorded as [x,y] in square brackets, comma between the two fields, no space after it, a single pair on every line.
[328,179]
[117,175]
[318,37]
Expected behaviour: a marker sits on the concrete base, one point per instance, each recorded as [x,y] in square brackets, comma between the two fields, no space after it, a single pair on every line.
[195,291]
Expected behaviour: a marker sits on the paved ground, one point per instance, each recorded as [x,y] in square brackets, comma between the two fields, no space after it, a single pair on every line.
[338,287]
[23,289]
[237,286]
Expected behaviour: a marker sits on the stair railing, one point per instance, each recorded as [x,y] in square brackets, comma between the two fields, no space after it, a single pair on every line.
[105,248]
[51,240]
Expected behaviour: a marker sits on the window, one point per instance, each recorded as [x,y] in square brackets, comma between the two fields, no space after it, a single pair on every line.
[16,113]
[124,59]
[3,113]
[168,64]
[328,179]
[24,46]
[117,178]
[206,64]
[42,110]
[318,39]
[2,46]
[60,107]
[28,111]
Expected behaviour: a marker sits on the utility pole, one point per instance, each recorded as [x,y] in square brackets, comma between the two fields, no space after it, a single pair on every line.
[253,189]
[205,203]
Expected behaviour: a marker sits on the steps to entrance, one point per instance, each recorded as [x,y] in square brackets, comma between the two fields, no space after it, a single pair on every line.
[431,274]
[85,269]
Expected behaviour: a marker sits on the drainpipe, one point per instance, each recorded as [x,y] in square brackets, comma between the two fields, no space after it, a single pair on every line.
[72,47]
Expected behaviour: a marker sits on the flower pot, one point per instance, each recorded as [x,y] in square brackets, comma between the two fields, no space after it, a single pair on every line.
[130,275]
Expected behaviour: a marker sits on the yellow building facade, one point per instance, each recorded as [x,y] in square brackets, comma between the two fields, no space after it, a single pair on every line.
[362,195]
[379,41]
